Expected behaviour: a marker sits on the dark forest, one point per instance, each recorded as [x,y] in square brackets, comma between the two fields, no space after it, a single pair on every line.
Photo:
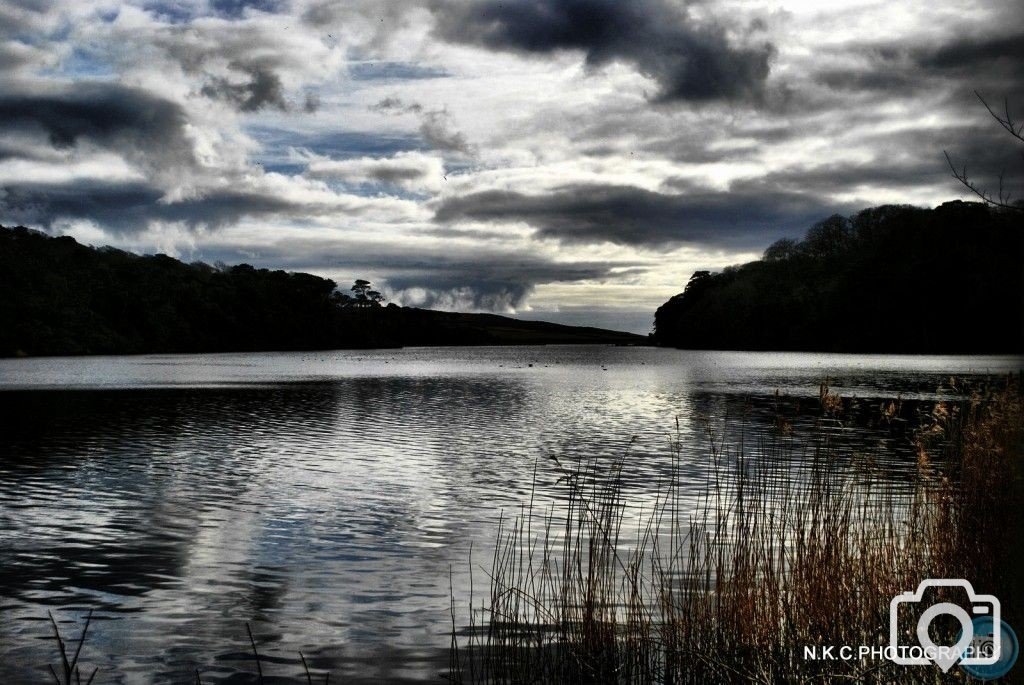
[888,279]
[64,298]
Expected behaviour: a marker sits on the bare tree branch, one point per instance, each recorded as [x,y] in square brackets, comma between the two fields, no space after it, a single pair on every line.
[1001,199]
[1005,121]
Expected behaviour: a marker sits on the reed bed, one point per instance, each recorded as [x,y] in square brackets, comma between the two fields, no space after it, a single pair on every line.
[779,553]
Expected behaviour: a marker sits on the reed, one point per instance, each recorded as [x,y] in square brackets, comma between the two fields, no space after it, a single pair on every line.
[779,553]
[69,672]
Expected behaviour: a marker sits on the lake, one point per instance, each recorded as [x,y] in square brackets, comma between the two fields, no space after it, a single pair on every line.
[331,499]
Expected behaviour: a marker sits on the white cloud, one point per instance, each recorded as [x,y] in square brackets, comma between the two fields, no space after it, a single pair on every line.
[243,165]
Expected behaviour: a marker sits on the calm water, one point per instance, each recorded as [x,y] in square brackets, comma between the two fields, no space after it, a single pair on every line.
[325,497]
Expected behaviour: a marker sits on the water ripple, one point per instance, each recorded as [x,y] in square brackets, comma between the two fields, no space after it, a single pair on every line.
[325,497]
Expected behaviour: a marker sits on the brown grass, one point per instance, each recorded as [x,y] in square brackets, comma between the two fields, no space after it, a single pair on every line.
[776,557]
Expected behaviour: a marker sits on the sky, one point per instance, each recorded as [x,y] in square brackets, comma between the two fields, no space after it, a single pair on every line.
[564,160]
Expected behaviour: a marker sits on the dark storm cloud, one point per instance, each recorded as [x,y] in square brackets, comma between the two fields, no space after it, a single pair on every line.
[263,89]
[739,218]
[847,177]
[968,54]
[114,206]
[97,111]
[131,207]
[129,120]
[987,62]
[690,60]
[874,79]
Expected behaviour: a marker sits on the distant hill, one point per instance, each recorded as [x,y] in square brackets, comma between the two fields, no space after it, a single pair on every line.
[61,298]
[888,279]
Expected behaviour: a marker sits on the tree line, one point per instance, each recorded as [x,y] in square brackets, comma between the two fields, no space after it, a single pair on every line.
[887,279]
[60,297]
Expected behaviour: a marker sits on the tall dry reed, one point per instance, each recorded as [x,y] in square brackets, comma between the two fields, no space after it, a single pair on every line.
[778,554]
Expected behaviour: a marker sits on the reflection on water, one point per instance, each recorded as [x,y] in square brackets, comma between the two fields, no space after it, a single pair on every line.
[323,497]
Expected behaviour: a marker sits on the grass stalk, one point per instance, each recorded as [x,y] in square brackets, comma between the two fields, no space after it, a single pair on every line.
[781,551]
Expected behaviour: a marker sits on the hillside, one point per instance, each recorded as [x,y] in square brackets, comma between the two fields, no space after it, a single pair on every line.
[62,298]
[888,279]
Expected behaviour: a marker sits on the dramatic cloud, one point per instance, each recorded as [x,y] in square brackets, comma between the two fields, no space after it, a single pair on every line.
[967,55]
[690,59]
[451,276]
[261,89]
[133,207]
[145,128]
[739,218]
[243,55]
[129,207]
[578,158]
[488,282]
[992,62]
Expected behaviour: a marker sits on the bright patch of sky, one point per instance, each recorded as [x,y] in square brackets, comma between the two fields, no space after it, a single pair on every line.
[574,160]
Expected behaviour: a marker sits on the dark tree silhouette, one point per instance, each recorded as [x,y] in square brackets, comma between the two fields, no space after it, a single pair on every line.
[887,279]
[829,237]
[365,295]
[696,279]
[360,288]
[780,250]
[1001,197]
[59,297]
